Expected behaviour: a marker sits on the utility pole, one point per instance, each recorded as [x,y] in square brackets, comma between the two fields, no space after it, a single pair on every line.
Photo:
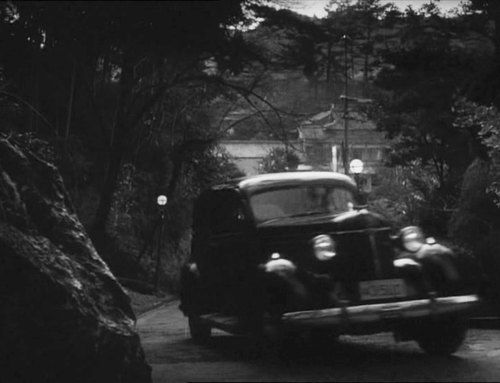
[346,123]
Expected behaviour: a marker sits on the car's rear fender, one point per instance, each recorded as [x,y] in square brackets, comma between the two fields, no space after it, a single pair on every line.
[190,291]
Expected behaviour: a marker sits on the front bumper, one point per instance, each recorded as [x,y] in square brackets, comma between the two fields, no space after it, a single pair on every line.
[372,313]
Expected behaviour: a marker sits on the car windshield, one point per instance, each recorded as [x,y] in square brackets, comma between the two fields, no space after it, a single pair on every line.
[300,201]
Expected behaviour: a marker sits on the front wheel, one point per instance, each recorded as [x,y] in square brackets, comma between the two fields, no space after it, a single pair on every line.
[322,338]
[442,337]
[269,338]
[200,331]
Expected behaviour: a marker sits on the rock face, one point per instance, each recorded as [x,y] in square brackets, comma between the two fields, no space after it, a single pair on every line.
[63,315]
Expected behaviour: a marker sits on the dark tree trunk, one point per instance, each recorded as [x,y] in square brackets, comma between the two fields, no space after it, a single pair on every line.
[98,232]
[120,136]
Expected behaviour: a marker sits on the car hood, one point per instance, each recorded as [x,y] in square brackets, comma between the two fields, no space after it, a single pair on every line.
[348,221]
[358,235]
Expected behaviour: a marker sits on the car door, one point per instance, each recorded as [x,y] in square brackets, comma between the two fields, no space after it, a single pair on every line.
[231,248]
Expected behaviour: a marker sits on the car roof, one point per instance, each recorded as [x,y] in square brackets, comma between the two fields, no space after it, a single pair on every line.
[265,181]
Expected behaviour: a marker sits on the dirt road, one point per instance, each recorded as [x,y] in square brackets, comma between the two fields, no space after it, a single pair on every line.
[175,358]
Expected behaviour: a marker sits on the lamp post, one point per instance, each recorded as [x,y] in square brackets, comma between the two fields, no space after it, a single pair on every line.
[161,201]
[356,168]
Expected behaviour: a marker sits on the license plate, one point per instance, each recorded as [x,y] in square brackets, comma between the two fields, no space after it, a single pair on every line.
[381,289]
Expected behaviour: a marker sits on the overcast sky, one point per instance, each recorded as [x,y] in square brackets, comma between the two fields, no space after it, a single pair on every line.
[316,7]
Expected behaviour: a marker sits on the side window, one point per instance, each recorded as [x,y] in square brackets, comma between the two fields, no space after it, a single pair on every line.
[227,214]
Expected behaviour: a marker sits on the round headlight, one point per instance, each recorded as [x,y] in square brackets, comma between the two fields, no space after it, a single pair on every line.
[412,238]
[324,247]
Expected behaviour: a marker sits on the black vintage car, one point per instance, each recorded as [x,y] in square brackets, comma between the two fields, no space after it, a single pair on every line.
[288,253]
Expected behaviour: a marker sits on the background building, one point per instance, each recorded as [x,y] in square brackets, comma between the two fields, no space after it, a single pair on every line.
[320,146]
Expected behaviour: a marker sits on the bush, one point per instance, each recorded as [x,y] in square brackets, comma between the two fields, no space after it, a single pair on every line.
[279,160]
[396,198]
[476,224]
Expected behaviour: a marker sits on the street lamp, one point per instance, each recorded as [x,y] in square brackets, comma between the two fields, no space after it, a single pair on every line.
[161,200]
[356,167]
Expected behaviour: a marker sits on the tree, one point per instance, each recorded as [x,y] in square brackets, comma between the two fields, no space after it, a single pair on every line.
[428,71]
[359,21]
[279,160]
[110,69]
[483,122]
[481,15]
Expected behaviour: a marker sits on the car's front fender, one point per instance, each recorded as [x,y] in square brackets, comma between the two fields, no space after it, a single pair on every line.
[282,290]
[439,256]
[439,267]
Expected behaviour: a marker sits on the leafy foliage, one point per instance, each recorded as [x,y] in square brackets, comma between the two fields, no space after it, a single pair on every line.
[115,76]
[476,223]
[484,123]
[279,160]
[122,93]
[407,196]
[418,91]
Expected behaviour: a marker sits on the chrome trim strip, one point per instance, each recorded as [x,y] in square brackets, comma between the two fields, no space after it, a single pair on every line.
[380,311]
[363,231]
[376,256]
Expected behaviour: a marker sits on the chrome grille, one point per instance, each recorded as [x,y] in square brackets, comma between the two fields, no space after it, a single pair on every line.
[365,254]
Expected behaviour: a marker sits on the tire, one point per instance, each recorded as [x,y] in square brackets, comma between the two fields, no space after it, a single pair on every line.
[442,337]
[200,332]
[269,338]
[322,338]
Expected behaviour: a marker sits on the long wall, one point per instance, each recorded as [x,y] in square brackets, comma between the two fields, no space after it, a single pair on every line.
[247,155]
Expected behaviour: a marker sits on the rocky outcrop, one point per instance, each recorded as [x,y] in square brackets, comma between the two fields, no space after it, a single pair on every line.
[63,315]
